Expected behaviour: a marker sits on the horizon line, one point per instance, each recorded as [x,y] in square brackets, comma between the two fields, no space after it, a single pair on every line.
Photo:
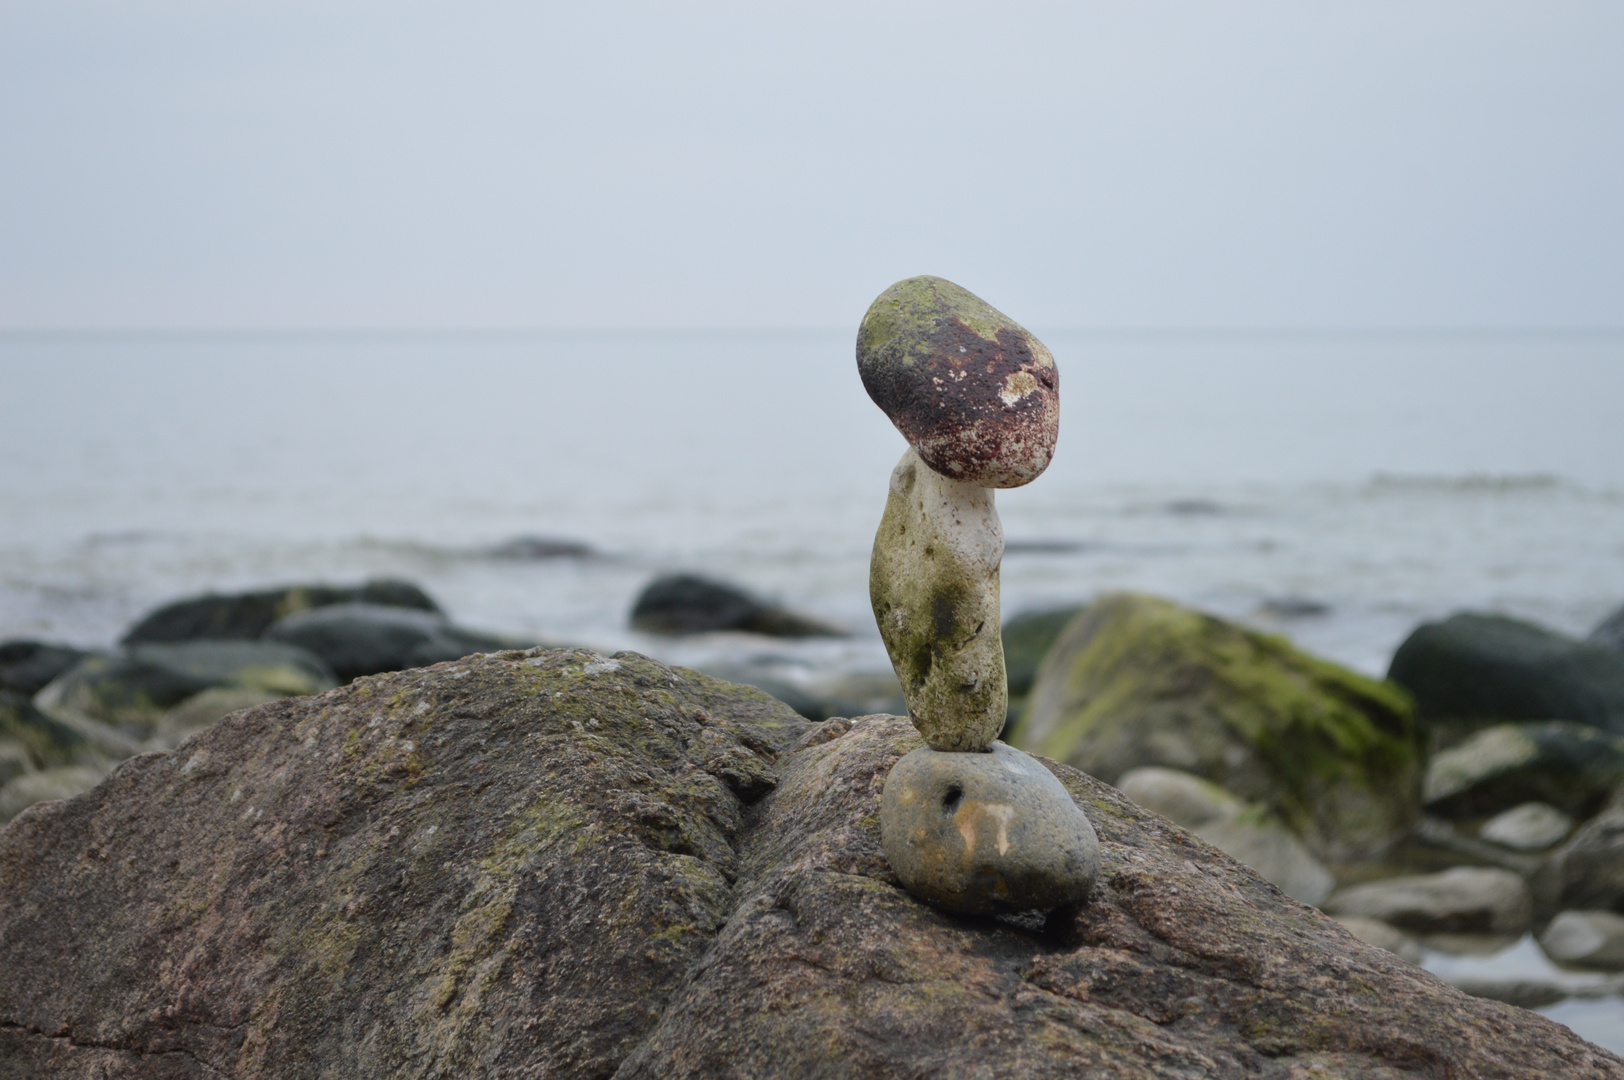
[1106,331]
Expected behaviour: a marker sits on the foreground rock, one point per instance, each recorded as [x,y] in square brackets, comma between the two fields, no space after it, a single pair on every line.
[564,865]
[689,604]
[1569,765]
[1472,670]
[1139,681]
[1467,899]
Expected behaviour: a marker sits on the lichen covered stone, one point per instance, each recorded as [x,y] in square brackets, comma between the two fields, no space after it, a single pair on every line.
[969,388]
[984,833]
[933,581]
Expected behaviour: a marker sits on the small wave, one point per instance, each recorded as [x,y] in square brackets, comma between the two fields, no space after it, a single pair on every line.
[1473,482]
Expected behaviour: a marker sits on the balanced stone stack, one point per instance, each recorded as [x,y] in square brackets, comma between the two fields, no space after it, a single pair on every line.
[967,823]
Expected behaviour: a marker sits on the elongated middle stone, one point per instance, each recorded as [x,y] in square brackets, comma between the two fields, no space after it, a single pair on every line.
[933,581]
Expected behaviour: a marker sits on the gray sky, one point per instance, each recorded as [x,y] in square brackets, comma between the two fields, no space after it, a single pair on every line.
[700,164]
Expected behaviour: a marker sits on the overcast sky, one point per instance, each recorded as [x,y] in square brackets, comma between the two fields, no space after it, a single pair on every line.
[1143,164]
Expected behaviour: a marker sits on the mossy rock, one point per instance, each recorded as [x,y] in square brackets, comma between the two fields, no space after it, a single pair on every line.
[1136,680]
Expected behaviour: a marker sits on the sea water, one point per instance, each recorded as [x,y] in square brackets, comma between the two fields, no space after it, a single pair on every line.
[1336,488]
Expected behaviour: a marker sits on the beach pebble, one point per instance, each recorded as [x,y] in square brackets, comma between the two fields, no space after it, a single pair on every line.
[980,834]
[969,389]
[1533,826]
[933,582]
[1585,938]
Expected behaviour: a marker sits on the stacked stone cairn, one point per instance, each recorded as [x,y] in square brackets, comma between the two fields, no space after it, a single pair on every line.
[969,824]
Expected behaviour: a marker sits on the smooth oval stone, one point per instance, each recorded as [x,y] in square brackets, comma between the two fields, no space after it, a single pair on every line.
[980,834]
[968,387]
[933,581]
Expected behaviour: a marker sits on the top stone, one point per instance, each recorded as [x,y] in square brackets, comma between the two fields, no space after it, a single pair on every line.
[972,391]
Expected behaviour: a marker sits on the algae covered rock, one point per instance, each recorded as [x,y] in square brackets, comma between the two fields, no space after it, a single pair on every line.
[574,866]
[1137,680]
[933,582]
[974,393]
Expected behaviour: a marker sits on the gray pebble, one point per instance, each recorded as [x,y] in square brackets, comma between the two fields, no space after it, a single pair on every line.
[980,834]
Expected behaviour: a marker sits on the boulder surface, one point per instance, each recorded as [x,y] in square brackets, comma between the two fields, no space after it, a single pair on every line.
[565,865]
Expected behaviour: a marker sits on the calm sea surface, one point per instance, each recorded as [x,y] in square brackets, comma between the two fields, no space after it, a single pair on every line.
[1335,488]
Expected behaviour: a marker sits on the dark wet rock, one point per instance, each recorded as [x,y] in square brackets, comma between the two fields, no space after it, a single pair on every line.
[366,639]
[565,865]
[1533,826]
[1195,507]
[40,741]
[1136,680]
[1470,671]
[974,394]
[27,666]
[1585,939]
[1570,765]
[983,833]
[1028,638]
[248,615]
[132,689]
[689,604]
[1587,872]
[1467,899]
[1609,633]
[1243,831]
[537,548]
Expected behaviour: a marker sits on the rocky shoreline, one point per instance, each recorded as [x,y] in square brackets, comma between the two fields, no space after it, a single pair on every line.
[1430,816]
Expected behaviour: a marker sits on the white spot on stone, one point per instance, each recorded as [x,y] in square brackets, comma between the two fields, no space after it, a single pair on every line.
[599,665]
[195,760]
[1017,386]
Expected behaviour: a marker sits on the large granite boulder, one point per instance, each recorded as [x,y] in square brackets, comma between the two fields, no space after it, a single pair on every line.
[248,615]
[1136,680]
[1471,670]
[565,865]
